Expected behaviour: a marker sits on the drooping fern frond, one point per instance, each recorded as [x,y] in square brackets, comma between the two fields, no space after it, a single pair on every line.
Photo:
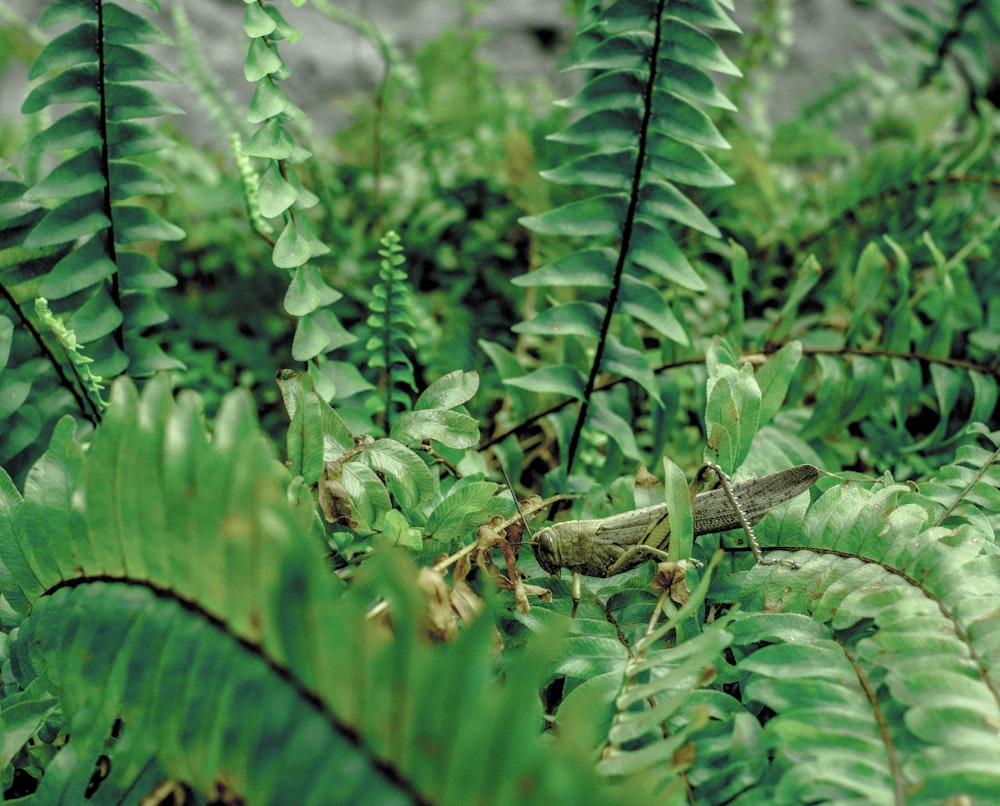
[642,133]
[177,614]
[280,194]
[100,281]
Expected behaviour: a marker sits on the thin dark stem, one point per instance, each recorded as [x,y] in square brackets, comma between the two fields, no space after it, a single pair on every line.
[83,402]
[108,234]
[970,366]
[623,248]
[944,46]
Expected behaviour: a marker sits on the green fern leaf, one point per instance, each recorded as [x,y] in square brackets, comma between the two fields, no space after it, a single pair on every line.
[97,155]
[639,122]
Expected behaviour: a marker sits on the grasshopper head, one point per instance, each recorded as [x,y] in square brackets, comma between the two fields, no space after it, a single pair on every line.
[546,549]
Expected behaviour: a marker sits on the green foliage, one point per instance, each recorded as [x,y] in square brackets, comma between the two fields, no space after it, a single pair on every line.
[391,320]
[642,133]
[81,236]
[103,148]
[354,615]
[170,605]
[93,384]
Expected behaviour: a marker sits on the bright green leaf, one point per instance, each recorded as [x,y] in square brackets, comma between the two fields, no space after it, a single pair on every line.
[449,390]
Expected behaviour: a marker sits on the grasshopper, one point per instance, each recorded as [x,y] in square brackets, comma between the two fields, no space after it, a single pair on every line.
[608,546]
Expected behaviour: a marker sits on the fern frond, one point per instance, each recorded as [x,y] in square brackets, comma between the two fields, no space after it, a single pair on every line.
[898,684]
[950,38]
[95,66]
[280,193]
[643,133]
[913,322]
[172,557]
[93,384]
[391,344]
[218,103]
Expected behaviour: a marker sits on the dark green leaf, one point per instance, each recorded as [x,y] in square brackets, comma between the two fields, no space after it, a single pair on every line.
[76,130]
[129,102]
[97,317]
[561,380]
[77,85]
[598,215]
[466,507]
[129,64]
[139,271]
[76,46]
[70,220]
[612,170]
[588,267]
[414,486]
[686,44]
[129,179]
[450,428]
[606,421]
[83,267]
[134,139]
[77,176]
[661,200]
[630,51]
[124,27]
[60,11]
[774,378]
[645,303]
[569,319]
[448,391]
[134,224]
[612,129]
[620,89]
[675,117]
[631,363]
[653,248]
[679,162]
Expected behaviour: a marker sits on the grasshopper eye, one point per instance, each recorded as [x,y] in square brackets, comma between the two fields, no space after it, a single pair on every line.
[545,551]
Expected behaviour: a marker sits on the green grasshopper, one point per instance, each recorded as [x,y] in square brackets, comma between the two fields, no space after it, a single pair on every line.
[608,546]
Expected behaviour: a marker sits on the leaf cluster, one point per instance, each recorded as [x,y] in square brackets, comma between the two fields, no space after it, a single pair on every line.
[343,605]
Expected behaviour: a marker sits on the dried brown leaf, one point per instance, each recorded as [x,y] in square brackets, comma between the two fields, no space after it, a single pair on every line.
[672,578]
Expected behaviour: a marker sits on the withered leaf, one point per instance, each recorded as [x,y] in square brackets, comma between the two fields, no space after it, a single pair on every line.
[672,577]
[334,502]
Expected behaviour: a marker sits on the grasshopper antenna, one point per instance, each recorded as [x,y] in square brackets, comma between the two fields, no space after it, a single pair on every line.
[513,495]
